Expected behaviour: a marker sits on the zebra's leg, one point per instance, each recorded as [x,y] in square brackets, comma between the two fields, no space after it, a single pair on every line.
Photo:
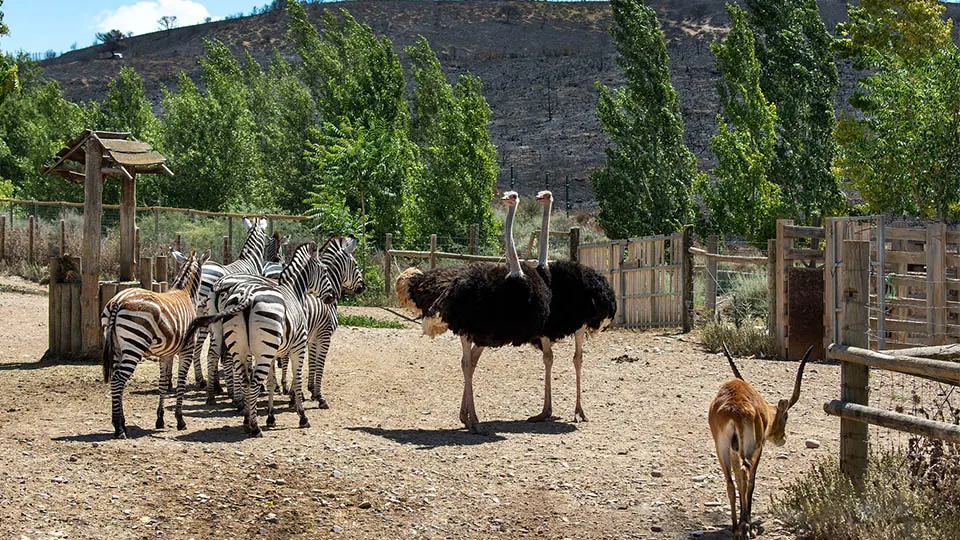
[318,350]
[284,362]
[122,371]
[312,363]
[183,368]
[261,369]
[197,361]
[271,389]
[213,359]
[298,356]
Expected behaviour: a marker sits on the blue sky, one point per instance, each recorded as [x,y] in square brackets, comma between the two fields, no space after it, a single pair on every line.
[36,26]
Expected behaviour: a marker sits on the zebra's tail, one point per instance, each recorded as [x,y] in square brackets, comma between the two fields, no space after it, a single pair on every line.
[207,320]
[108,335]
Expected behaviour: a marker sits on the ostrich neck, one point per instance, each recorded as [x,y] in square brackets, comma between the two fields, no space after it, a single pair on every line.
[513,262]
[544,235]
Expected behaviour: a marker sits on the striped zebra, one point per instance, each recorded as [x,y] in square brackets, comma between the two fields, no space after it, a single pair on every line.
[137,323]
[257,251]
[265,322]
[337,258]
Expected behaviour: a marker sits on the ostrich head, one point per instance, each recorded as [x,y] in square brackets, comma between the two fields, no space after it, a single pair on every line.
[510,198]
[545,197]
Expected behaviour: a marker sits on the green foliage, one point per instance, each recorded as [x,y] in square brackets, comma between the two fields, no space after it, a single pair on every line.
[902,152]
[743,201]
[366,321]
[799,75]
[644,187]
[460,168]
[895,502]
[9,82]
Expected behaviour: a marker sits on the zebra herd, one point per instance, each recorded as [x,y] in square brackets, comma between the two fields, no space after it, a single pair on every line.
[256,307]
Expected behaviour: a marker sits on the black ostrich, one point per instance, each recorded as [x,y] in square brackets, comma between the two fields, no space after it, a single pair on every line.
[581,301]
[487,305]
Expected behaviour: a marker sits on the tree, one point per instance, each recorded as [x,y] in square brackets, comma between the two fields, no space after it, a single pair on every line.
[459,160]
[903,152]
[9,82]
[644,187]
[111,40]
[168,22]
[799,75]
[743,201]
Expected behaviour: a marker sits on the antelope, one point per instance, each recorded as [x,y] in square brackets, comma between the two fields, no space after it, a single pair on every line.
[741,421]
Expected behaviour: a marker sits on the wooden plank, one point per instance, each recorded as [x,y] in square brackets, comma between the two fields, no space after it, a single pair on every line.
[53,307]
[898,233]
[739,259]
[892,420]
[800,231]
[686,316]
[136,159]
[899,362]
[906,257]
[903,325]
[936,279]
[90,274]
[803,254]
[783,245]
[66,317]
[123,145]
[855,378]
[772,287]
[76,336]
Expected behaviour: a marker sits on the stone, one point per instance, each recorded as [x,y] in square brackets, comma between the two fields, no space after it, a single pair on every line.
[656,474]
[336,474]
[811,443]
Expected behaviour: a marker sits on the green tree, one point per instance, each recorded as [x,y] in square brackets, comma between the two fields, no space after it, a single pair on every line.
[210,138]
[111,40]
[903,152]
[8,70]
[644,187]
[459,160]
[743,200]
[799,75]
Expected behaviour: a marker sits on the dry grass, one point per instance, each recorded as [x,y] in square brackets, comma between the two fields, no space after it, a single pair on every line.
[744,340]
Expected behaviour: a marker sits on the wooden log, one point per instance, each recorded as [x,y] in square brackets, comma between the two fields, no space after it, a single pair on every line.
[53,308]
[30,240]
[575,244]
[855,378]
[128,211]
[146,274]
[686,315]
[472,249]
[712,248]
[936,283]
[76,335]
[799,231]
[433,251]
[772,287]
[160,269]
[738,259]
[92,212]
[893,420]
[66,317]
[939,370]
[387,264]
[938,352]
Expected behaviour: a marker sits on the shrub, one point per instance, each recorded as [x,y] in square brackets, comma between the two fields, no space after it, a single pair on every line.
[748,299]
[744,340]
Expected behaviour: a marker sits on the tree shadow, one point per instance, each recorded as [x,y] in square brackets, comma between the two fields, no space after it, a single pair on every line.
[428,439]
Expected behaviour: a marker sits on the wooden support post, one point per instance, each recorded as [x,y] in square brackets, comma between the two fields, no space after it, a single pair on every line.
[30,240]
[854,378]
[3,238]
[136,249]
[128,211]
[772,287]
[92,212]
[66,317]
[712,247]
[226,250]
[387,264]
[936,283]
[53,308]
[76,335]
[230,232]
[146,274]
[783,244]
[686,314]
[433,251]
[63,239]
[575,244]
[156,227]
[176,244]
[160,271]
[473,240]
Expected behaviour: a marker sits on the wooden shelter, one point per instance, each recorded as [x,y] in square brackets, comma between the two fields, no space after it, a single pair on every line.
[88,160]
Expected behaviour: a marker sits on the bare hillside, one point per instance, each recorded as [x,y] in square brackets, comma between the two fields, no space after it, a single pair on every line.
[538,61]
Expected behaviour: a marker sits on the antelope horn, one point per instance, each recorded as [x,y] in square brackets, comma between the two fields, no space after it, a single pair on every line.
[736,372]
[796,385]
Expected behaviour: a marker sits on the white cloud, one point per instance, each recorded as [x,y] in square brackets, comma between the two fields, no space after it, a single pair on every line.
[142,17]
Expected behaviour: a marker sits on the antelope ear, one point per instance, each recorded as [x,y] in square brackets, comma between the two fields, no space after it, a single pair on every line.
[178,256]
[246,223]
[350,244]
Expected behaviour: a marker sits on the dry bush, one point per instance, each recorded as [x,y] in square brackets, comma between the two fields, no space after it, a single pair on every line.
[744,340]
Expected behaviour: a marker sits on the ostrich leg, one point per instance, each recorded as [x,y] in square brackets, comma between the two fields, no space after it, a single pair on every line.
[577,364]
[469,360]
[547,411]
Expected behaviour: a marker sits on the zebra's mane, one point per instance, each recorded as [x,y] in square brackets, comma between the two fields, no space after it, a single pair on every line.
[295,273]
[255,246]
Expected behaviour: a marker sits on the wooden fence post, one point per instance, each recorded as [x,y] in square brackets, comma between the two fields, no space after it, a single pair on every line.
[3,238]
[854,378]
[772,287]
[146,273]
[387,264]
[160,274]
[176,244]
[30,236]
[226,250]
[63,238]
[936,283]
[783,244]
[136,251]
[53,308]
[686,314]
[473,240]
[156,226]
[712,247]
[575,244]
[433,251]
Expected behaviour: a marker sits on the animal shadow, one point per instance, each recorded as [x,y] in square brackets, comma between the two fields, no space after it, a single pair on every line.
[428,439]
[133,432]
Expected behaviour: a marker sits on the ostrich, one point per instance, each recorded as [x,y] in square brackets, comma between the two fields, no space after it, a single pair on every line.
[487,305]
[581,301]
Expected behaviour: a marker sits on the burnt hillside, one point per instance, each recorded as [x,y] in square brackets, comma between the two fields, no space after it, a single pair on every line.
[538,62]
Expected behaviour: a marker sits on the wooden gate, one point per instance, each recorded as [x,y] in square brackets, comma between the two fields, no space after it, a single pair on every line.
[646,275]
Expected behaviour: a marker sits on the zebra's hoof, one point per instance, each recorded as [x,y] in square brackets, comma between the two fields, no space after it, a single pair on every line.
[256,432]
[322,403]
[120,434]
[217,388]
[271,420]
[304,423]
[160,424]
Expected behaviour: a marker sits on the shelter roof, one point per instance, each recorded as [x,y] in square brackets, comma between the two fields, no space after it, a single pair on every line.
[123,156]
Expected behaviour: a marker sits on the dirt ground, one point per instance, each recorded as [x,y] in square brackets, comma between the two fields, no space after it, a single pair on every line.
[389,459]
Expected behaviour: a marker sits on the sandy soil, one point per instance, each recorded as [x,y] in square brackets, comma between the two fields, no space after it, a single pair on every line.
[389,459]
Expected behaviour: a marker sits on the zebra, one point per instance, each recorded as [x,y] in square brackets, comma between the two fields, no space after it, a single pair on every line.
[258,250]
[337,258]
[137,322]
[266,321]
